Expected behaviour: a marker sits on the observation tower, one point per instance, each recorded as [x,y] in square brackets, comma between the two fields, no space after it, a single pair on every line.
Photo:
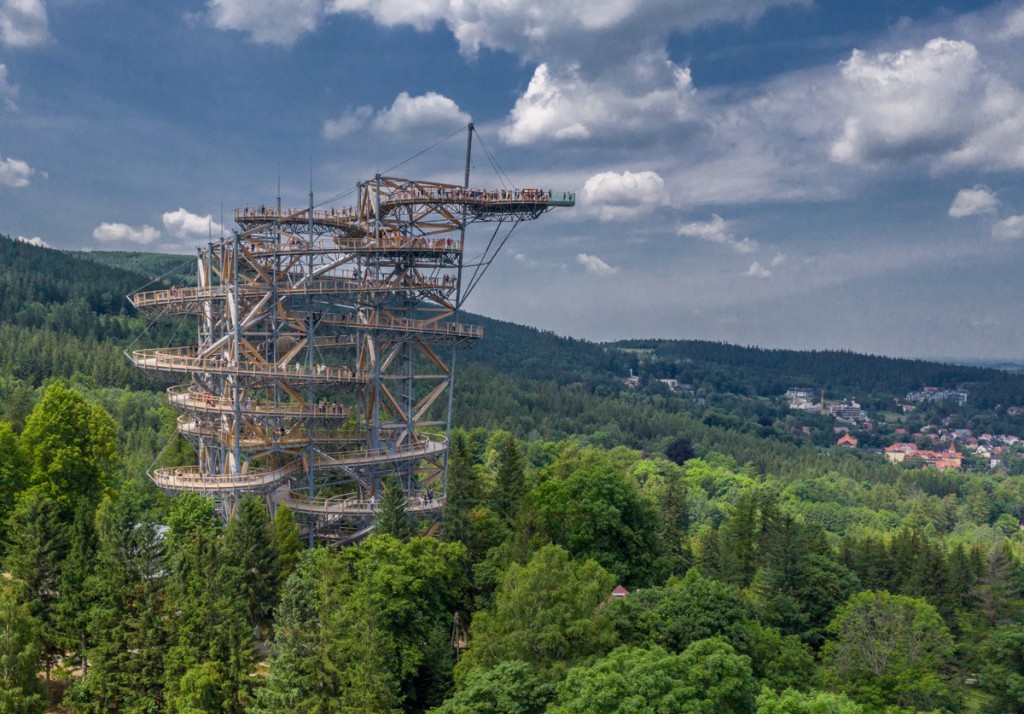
[324,355]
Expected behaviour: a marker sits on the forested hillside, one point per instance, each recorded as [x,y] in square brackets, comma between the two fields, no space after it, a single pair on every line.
[762,571]
[769,371]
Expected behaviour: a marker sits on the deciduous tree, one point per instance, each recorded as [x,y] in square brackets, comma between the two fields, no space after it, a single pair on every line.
[708,676]
[545,613]
[889,649]
[71,444]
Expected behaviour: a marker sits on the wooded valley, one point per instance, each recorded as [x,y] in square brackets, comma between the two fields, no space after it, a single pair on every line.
[762,569]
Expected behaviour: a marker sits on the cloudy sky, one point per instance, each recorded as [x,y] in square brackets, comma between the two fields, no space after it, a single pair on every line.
[787,173]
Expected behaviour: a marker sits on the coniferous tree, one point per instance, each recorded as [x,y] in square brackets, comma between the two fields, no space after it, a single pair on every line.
[708,552]
[211,641]
[739,539]
[800,581]
[13,474]
[75,597]
[960,580]
[127,621]
[287,543]
[509,477]
[463,491]
[392,516]
[18,406]
[20,692]
[1002,667]
[36,549]
[675,522]
[295,679]
[249,547]
[999,590]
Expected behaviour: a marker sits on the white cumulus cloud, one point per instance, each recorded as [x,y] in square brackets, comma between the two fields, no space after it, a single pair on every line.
[972,201]
[617,196]
[351,121]
[23,23]
[110,232]
[939,101]
[595,265]
[420,14]
[36,241]
[647,95]
[189,227]
[526,28]
[15,173]
[908,102]
[717,231]
[1011,228]
[531,29]
[756,270]
[409,114]
[279,22]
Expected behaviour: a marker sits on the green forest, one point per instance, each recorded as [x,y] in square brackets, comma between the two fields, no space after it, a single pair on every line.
[603,548]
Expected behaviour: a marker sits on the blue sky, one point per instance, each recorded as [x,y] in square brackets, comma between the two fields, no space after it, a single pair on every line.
[786,173]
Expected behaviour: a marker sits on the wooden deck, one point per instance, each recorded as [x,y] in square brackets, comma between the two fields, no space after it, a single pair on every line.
[293,438]
[183,360]
[190,300]
[186,397]
[192,478]
[415,503]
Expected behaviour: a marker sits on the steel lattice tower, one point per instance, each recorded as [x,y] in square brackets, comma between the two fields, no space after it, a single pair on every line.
[320,359]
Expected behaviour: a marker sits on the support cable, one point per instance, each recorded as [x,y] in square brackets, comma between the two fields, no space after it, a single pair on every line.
[485,264]
[164,275]
[502,176]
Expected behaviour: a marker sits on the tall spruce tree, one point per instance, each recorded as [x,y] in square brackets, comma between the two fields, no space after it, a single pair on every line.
[75,597]
[287,543]
[296,676]
[127,622]
[249,547]
[13,474]
[392,513]
[20,692]
[463,491]
[509,477]
[36,549]
[210,636]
